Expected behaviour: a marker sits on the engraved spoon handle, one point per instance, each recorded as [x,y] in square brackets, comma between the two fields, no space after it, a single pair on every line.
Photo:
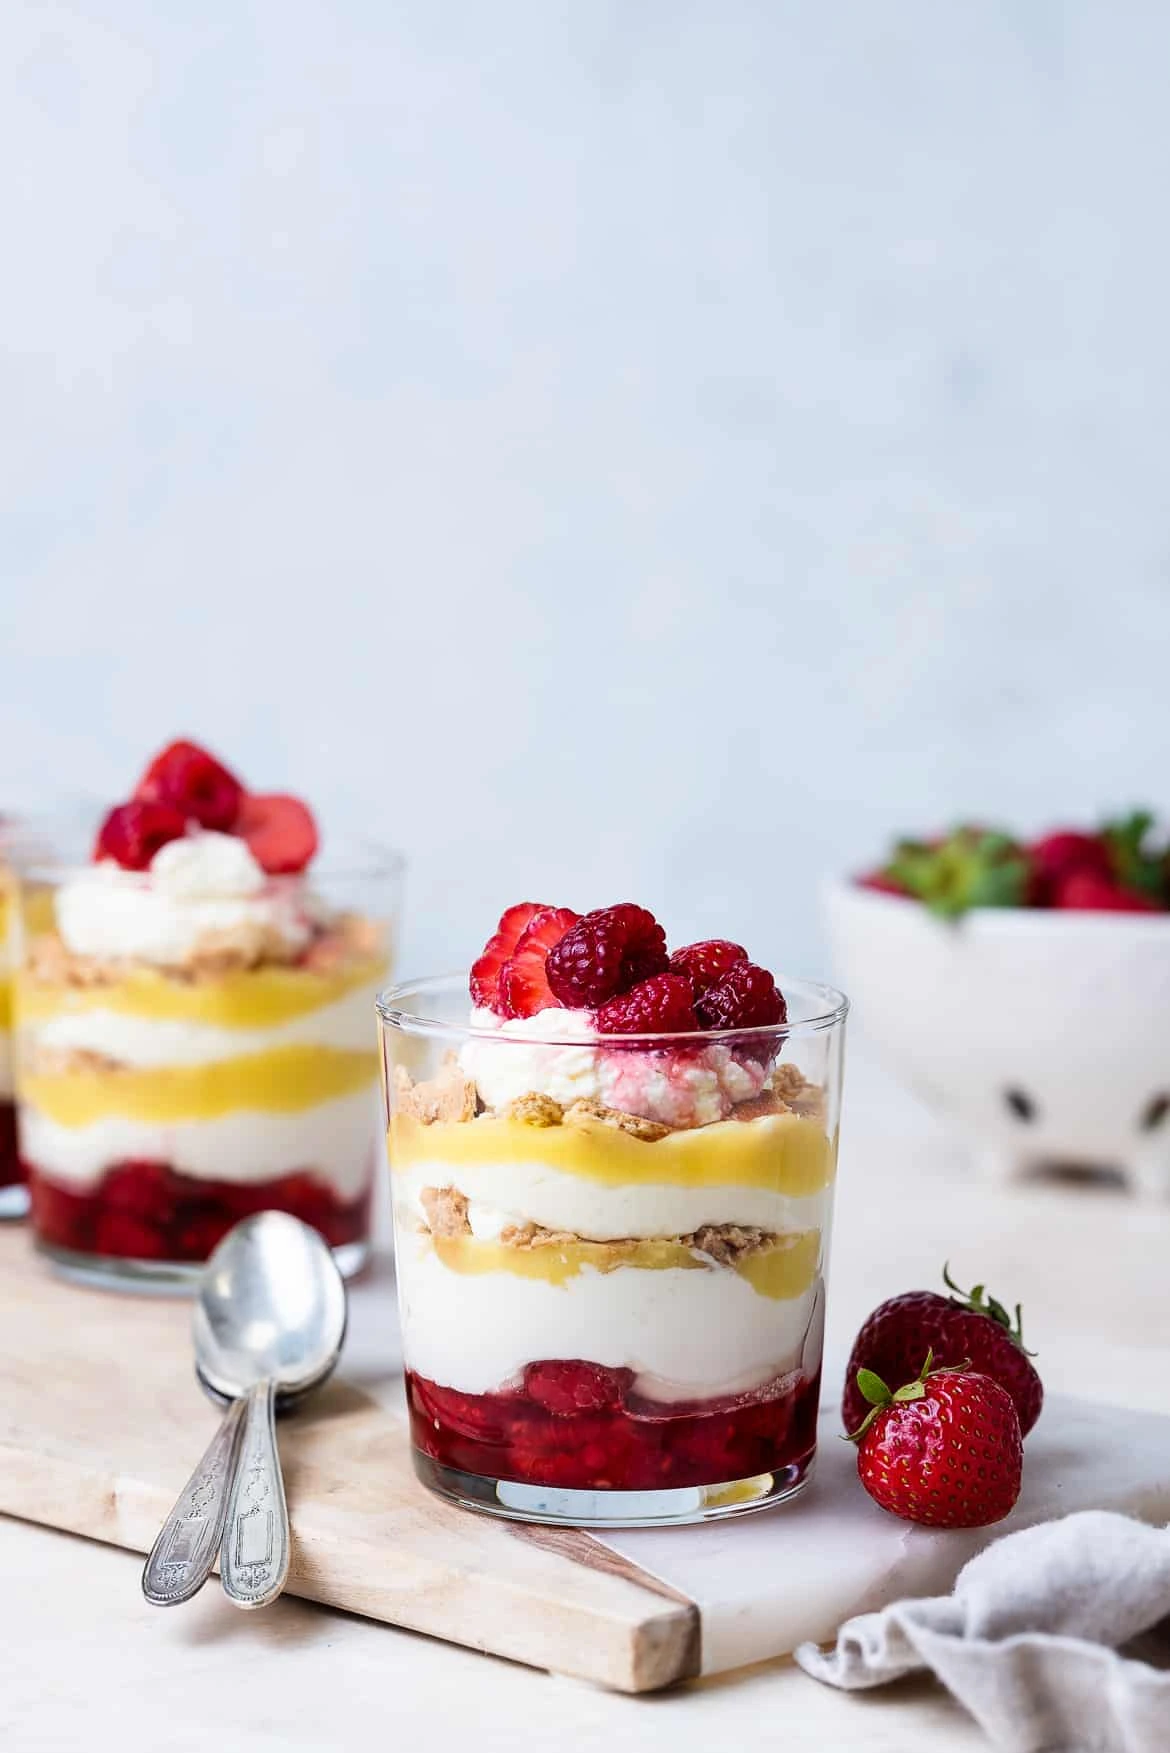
[183,1556]
[253,1562]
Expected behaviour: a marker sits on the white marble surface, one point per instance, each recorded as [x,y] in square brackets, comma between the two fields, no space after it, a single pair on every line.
[86,1664]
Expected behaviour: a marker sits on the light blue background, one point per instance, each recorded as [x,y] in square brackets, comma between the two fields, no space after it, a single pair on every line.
[637,449]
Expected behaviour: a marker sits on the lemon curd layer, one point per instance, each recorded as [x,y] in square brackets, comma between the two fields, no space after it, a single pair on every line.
[782,1269]
[783,1153]
[248,998]
[282,1080]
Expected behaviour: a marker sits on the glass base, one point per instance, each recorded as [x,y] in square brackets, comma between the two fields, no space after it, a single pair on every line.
[161,1277]
[14,1200]
[552,1505]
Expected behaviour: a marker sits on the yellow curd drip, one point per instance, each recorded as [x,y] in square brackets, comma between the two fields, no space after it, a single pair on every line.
[783,1269]
[246,998]
[281,1080]
[783,1153]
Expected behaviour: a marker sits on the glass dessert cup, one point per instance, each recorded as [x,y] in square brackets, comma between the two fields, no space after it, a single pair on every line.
[608,1320]
[13,1192]
[158,1105]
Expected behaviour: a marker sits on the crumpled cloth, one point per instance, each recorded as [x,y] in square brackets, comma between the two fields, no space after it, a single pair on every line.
[1029,1639]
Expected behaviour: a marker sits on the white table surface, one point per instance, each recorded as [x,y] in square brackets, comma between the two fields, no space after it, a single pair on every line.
[84,1663]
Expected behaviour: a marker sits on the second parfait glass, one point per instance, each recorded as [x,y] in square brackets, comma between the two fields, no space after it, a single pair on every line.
[608,1320]
[159,1103]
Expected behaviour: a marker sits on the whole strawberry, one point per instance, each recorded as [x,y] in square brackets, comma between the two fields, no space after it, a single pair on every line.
[976,1328]
[944,1450]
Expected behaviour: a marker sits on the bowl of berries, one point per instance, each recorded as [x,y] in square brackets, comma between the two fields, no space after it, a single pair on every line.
[1021,988]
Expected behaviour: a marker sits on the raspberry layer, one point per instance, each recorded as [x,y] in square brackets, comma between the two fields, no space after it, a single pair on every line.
[11,1171]
[148,1211]
[612,1440]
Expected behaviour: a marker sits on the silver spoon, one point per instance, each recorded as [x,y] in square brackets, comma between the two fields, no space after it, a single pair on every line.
[268,1326]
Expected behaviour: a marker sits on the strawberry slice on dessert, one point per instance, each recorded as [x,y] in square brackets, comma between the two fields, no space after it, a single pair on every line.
[133,832]
[524,987]
[485,970]
[193,782]
[279,832]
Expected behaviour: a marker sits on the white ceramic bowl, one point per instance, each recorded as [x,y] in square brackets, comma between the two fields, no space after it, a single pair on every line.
[1040,1037]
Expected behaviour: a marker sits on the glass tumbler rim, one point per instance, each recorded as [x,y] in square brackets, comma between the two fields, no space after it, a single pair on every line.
[392,1004]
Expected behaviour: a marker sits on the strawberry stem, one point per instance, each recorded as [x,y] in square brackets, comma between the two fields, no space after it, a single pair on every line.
[976,1302]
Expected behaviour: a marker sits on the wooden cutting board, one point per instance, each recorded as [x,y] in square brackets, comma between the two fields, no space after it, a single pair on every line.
[101,1423]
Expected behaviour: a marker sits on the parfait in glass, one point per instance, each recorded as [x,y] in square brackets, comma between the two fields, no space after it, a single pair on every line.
[193,1028]
[13,1194]
[612,1172]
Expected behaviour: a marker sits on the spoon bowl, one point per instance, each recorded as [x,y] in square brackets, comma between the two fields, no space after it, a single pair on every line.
[271,1307]
[268,1326]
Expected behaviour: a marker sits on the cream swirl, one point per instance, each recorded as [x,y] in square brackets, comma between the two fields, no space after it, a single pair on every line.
[549,1053]
[203,894]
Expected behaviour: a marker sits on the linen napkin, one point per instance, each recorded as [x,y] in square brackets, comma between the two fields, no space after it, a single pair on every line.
[1029,1639]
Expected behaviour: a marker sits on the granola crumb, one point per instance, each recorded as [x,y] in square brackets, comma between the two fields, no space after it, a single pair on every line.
[786,1081]
[344,941]
[534,1109]
[586,1108]
[721,1244]
[793,1088]
[759,1107]
[41,1061]
[727,1244]
[449,1096]
[446,1209]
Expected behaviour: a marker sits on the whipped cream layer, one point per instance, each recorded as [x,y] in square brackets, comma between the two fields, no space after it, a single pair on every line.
[686,1335]
[503,1194]
[550,1053]
[333,1141]
[203,894]
[161,1041]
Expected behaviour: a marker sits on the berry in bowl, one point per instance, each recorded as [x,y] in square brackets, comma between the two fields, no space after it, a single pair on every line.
[1020,988]
[194,1028]
[612,1172]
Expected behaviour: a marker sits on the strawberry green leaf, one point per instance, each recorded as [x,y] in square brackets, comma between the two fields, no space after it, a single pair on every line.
[873,1388]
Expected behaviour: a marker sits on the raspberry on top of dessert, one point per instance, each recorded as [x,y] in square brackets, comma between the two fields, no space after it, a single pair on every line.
[611,1203]
[194,1025]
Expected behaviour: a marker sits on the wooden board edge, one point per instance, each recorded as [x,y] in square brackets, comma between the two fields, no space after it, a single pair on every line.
[654,1650]
[667,1647]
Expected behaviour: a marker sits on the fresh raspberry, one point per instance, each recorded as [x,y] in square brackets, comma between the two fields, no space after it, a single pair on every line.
[1084,891]
[974,1328]
[608,951]
[485,971]
[943,1450]
[279,832]
[524,987]
[704,964]
[133,832]
[660,1006]
[572,1385]
[193,782]
[745,998]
